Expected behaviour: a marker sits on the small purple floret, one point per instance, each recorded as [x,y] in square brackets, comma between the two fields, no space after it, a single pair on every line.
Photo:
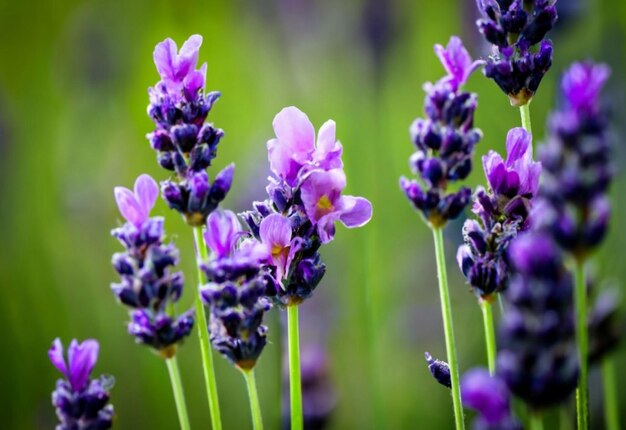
[457,62]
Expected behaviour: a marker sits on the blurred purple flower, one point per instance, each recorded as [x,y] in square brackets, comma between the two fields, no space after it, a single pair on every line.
[81,359]
[581,86]
[486,394]
[324,204]
[135,206]
[457,62]
[294,151]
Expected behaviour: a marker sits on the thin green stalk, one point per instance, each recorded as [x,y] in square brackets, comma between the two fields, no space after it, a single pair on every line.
[203,333]
[580,298]
[525,113]
[448,329]
[179,394]
[255,406]
[611,405]
[536,423]
[295,386]
[490,335]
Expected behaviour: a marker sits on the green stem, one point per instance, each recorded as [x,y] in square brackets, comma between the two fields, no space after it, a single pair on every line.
[255,407]
[525,113]
[580,298]
[448,329]
[179,394]
[203,333]
[295,387]
[611,406]
[490,335]
[536,423]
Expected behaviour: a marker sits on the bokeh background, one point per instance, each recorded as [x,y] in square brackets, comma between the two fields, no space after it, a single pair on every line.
[73,81]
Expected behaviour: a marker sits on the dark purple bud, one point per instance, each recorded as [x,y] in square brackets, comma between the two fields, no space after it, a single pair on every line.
[439,369]
[184,136]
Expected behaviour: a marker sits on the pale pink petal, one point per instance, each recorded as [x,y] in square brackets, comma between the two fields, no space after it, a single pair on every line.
[165,59]
[294,130]
[146,192]
[320,184]
[129,207]
[275,231]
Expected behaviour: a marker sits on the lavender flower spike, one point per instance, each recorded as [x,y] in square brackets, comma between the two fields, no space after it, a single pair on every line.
[80,402]
[457,62]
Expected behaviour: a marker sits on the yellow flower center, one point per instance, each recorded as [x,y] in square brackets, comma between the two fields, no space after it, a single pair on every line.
[324,205]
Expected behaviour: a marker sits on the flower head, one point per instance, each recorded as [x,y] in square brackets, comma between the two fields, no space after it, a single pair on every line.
[135,206]
[295,151]
[177,68]
[457,62]
[581,86]
[81,359]
[324,204]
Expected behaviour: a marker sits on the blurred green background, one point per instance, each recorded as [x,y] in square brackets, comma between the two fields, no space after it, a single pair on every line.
[73,81]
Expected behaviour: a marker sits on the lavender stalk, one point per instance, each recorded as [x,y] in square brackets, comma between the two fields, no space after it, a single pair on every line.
[179,394]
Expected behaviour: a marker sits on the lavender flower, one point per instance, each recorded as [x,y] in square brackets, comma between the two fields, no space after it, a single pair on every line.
[147,286]
[490,397]
[444,140]
[538,359]
[439,369]
[576,161]
[235,292]
[305,201]
[185,144]
[515,28]
[503,211]
[80,402]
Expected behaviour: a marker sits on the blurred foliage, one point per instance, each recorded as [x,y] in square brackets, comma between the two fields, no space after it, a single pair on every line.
[73,80]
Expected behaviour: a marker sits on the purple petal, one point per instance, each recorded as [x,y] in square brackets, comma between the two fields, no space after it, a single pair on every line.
[490,162]
[222,232]
[518,145]
[326,226]
[129,207]
[320,192]
[582,84]
[56,356]
[193,82]
[457,61]
[165,59]
[328,150]
[294,130]
[275,231]
[188,56]
[81,360]
[281,161]
[146,192]
[357,211]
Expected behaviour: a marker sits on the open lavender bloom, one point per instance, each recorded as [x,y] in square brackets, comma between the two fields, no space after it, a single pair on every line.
[305,201]
[185,144]
[538,358]
[444,140]
[80,402]
[503,211]
[577,168]
[521,55]
[147,286]
[490,397]
[236,290]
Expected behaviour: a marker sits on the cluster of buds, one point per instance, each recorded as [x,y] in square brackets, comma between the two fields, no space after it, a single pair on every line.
[444,140]
[521,55]
[305,200]
[80,402]
[235,292]
[502,211]
[184,143]
[147,285]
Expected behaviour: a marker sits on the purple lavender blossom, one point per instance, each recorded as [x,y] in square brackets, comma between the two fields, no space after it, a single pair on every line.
[514,28]
[538,358]
[457,62]
[80,402]
[305,200]
[236,289]
[146,285]
[577,164]
[503,211]
[294,152]
[184,143]
[439,369]
[444,140]
[490,397]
